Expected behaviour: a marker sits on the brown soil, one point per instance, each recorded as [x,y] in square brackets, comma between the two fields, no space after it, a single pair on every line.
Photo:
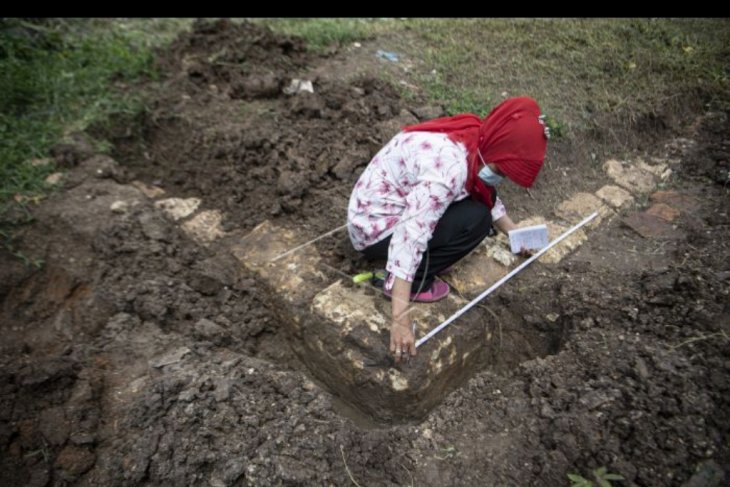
[136,356]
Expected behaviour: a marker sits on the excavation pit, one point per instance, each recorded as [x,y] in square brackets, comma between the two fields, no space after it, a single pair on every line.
[341,330]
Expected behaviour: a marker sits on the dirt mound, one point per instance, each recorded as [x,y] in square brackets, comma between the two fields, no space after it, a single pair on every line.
[244,58]
[278,155]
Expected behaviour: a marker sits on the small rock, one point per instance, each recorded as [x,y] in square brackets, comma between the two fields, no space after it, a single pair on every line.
[629,176]
[663,211]
[298,86]
[650,226]
[205,328]
[552,317]
[178,208]
[656,169]
[308,105]
[53,426]
[149,191]
[119,207]
[343,169]
[205,227]
[153,227]
[615,196]
[290,183]
[54,179]
[581,205]
[676,200]
[547,412]
[171,357]
[246,285]
[501,255]
[211,275]
[597,398]
[233,470]
[75,460]
[642,371]
[188,395]
[222,390]
[82,438]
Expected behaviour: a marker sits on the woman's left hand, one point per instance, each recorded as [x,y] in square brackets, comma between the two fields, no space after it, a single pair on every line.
[526,252]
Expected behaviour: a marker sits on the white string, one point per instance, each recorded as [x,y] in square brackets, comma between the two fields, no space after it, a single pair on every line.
[474,301]
[307,243]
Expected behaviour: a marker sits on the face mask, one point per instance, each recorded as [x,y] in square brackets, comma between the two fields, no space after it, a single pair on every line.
[488,176]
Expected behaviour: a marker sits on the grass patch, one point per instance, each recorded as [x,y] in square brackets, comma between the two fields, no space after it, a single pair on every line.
[454,98]
[574,68]
[58,76]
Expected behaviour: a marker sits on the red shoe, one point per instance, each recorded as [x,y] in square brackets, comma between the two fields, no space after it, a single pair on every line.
[438,291]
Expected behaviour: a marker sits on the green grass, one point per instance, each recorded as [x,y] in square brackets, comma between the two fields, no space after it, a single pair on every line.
[58,76]
[454,98]
[574,68]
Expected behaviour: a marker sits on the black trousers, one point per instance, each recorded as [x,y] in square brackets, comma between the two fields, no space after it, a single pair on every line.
[461,228]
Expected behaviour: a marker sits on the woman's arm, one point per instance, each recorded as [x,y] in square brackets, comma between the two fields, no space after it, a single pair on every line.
[402,341]
[441,172]
[505,224]
[425,205]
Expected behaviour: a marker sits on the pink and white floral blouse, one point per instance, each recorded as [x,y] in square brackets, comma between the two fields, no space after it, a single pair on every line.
[404,191]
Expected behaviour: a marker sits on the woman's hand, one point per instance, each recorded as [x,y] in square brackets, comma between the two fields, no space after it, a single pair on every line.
[526,252]
[402,341]
[505,225]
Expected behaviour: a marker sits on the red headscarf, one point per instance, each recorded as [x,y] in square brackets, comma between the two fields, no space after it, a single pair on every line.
[511,136]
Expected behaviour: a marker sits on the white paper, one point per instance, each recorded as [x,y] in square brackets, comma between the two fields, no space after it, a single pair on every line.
[529,238]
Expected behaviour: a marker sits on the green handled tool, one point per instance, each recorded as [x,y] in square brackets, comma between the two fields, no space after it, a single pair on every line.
[362,277]
[375,277]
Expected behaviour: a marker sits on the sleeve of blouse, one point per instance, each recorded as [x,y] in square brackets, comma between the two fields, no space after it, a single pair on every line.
[498,211]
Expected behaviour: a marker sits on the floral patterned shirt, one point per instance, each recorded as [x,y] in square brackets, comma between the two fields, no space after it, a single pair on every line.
[404,191]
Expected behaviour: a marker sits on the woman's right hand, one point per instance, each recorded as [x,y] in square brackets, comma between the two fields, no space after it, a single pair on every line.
[402,341]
